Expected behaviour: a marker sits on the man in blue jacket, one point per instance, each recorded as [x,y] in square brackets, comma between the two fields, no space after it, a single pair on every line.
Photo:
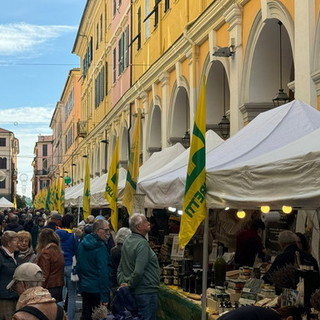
[139,267]
[93,268]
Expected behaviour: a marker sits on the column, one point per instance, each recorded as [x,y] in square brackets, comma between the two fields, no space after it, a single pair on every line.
[165,104]
[304,41]
[234,18]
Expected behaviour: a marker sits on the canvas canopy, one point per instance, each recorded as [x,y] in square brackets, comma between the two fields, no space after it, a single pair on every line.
[158,159]
[269,131]
[4,203]
[286,176]
[175,171]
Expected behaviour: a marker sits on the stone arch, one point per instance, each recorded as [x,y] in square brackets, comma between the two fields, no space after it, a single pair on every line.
[154,127]
[261,65]
[179,112]
[316,61]
[217,92]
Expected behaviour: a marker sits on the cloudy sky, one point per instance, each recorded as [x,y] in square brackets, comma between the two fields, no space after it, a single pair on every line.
[36,39]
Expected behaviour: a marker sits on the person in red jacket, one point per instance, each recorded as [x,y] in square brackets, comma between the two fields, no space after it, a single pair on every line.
[249,244]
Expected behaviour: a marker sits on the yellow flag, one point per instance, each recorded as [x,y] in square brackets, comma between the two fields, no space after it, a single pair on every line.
[194,202]
[61,195]
[133,168]
[86,191]
[111,192]
[15,202]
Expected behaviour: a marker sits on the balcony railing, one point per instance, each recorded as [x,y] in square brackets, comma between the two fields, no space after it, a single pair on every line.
[42,172]
[82,128]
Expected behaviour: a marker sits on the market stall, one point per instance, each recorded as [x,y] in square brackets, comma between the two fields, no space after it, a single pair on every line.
[273,160]
[268,132]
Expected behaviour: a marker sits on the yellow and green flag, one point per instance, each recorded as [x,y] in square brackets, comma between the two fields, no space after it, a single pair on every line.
[48,199]
[133,168]
[194,202]
[61,191]
[86,191]
[111,192]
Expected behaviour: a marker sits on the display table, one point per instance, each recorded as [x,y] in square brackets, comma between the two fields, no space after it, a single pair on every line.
[173,304]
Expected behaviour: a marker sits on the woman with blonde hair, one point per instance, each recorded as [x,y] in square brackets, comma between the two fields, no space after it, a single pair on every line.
[26,252]
[50,259]
[8,263]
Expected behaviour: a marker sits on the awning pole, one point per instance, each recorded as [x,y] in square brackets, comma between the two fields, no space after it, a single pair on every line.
[205,268]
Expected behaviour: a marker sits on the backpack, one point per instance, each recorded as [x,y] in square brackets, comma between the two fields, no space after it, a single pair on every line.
[37,313]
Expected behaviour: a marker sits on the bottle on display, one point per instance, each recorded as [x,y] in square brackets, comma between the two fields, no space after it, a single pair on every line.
[198,284]
[220,268]
[192,282]
[185,282]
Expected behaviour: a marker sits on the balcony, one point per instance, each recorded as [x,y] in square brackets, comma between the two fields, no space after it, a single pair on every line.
[42,172]
[82,128]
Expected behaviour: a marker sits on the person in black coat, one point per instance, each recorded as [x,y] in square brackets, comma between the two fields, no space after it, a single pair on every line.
[260,313]
[13,224]
[288,241]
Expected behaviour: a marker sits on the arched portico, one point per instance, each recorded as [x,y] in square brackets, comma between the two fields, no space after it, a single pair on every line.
[179,115]
[261,70]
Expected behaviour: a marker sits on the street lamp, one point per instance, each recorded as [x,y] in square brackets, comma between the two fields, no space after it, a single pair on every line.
[281,97]
[186,139]
[224,124]
[106,142]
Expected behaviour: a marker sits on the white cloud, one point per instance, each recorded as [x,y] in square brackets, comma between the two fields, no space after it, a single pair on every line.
[19,38]
[23,115]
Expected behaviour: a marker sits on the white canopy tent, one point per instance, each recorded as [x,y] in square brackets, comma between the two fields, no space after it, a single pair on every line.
[269,131]
[286,176]
[4,203]
[98,184]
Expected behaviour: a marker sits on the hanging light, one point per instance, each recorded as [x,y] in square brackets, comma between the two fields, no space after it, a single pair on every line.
[224,124]
[281,97]
[186,139]
[241,214]
[265,209]
[286,209]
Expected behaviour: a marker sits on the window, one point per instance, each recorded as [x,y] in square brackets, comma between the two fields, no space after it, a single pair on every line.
[138,36]
[2,142]
[126,48]
[69,138]
[97,36]
[99,88]
[86,62]
[114,7]
[101,28]
[3,163]
[139,28]
[44,150]
[3,184]
[149,13]
[106,77]
[166,5]
[44,166]
[114,65]
[69,104]
[146,20]
[121,54]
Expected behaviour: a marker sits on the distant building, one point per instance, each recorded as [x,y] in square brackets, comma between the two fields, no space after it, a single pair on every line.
[42,163]
[66,128]
[9,149]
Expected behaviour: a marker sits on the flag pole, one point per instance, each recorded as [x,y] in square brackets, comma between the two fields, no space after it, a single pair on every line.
[205,268]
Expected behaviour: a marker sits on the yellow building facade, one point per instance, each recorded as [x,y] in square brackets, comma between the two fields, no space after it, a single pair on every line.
[246,49]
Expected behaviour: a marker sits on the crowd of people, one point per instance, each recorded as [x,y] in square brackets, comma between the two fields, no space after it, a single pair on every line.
[46,260]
